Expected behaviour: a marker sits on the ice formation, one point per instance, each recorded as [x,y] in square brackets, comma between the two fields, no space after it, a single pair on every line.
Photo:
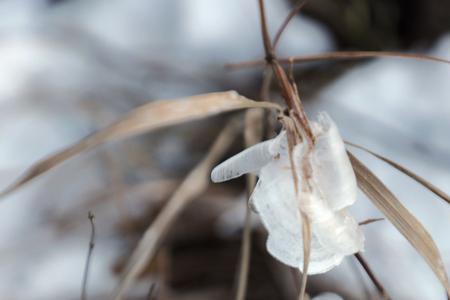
[335,233]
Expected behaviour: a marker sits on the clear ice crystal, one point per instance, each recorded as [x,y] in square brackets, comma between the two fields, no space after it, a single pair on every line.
[335,233]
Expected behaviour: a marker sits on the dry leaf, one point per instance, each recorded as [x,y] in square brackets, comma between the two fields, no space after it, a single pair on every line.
[401,218]
[438,192]
[194,185]
[143,119]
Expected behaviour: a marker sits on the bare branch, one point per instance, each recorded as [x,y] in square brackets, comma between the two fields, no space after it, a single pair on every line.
[369,221]
[288,92]
[88,258]
[270,54]
[152,292]
[372,276]
[341,55]
[253,134]
[244,265]
[295,10]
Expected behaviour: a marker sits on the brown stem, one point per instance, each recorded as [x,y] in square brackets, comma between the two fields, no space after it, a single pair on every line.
[252,135]
[270,54]
[369,221]
[89,256]
[244,265]
[340,55]
[292,100]
[372,276]
[152,292]
[306,233]
[295,10]
[287,90]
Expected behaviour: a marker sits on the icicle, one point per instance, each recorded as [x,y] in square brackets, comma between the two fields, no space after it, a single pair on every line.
[251,160]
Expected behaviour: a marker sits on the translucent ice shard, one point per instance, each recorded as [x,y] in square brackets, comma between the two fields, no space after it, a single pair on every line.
[332,169]
[335,233]
[251,160]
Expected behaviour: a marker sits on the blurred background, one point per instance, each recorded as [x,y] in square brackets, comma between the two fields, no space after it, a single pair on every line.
[70,67]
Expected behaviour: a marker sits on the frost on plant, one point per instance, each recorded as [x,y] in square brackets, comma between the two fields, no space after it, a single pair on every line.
[335,233]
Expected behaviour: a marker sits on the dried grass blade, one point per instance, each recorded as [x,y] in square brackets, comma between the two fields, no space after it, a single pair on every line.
[194,184]
[306,233]
[253,135]
[434,189]
[144,119]
[401,218]
[343,55]
[244,264]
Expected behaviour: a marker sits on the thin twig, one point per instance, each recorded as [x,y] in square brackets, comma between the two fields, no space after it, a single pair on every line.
[244,265]
[369,221]
[341,55]
[266,83]
[246,246]
[271,59]
[295,10]
[306,233]
[288,92]
[252,135]
[372,276]
[270,54]
[88,258]
[152,292]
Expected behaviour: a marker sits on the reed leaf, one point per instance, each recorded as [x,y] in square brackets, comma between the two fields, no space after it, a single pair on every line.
[144,119]
[401,218]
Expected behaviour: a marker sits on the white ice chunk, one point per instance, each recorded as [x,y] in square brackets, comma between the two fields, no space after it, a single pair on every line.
[251,160]
[281,217]
[335,233]
[333,171]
